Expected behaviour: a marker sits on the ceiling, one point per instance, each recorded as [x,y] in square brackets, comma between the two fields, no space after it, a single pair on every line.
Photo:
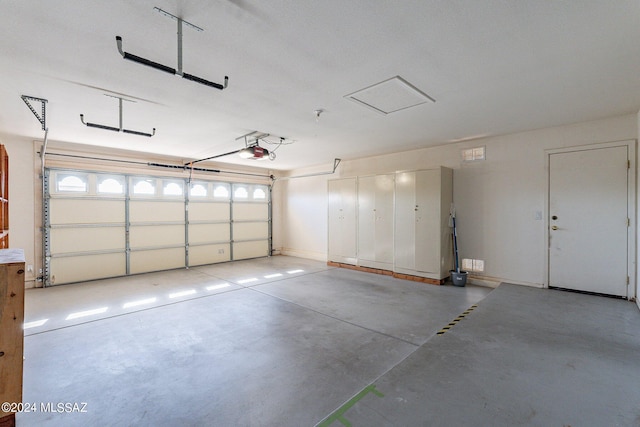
[493,67]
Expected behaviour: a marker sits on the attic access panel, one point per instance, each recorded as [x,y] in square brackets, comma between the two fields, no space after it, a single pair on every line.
[390,95]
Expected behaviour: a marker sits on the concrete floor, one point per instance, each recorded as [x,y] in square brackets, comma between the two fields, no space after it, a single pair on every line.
[284,341]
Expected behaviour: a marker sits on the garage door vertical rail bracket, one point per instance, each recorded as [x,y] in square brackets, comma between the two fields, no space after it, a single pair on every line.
[127,224]
[42,118]
[46,229]
[187,200]
[231,200]
[270,219]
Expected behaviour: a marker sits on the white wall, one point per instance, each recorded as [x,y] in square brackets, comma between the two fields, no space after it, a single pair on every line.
[638,228]
[21,198]
[302,219]
[496,200]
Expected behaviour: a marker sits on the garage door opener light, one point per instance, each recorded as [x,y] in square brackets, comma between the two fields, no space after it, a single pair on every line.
[254,151]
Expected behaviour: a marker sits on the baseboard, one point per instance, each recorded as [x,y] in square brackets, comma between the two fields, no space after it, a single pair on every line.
[387,273]
[316,256]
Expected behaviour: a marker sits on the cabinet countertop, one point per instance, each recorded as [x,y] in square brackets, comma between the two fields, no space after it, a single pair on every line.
[11,256]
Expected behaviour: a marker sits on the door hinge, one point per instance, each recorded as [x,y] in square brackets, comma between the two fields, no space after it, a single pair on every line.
[628,222]
[628,281]
[628,164]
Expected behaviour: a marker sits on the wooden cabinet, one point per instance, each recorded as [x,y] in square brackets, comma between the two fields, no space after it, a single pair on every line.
[422,234]
[342,220]
[375,221]
[11,331]
[4,198]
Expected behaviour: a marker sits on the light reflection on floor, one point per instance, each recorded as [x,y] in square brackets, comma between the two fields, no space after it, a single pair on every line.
[147,302]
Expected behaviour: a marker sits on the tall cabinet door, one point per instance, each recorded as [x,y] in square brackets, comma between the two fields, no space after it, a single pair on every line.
[375,221]
[422,235]
[342,220]
[427,221]
[405,230]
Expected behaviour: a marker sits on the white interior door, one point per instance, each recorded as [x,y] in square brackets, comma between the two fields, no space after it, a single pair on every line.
[588,220]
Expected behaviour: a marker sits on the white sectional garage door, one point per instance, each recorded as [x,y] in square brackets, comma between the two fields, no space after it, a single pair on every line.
[250,228]
[108,225]
[209,223]
[87,227]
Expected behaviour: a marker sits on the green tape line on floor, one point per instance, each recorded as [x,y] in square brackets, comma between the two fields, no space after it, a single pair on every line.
[338,414]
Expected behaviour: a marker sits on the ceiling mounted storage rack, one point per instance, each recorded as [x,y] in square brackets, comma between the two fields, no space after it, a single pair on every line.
[165,68]
[120,128]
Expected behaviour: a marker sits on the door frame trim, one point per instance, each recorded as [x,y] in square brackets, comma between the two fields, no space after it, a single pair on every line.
[631,145]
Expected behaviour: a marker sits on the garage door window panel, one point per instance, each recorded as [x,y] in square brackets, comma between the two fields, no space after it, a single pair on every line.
[143,187]
[110,185]
[72,183]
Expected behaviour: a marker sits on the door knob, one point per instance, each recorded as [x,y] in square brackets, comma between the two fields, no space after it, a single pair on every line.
[555,227]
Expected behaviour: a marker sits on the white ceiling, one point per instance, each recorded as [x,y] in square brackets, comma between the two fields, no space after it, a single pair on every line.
[493,67]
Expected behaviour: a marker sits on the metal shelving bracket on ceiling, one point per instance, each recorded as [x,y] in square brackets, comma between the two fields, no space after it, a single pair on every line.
[167,69]
[120,128]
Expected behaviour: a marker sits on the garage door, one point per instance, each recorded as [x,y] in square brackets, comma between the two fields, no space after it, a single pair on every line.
[250,228]
[107,225]
[209,231]
[87,226]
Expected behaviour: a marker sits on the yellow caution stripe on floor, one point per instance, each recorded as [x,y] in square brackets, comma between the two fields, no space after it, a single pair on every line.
[456,320]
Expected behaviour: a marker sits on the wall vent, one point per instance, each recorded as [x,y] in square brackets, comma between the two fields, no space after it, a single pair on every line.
[473,154]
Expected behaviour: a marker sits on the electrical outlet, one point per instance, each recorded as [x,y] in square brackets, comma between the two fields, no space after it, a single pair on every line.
[30,268]
[220,251]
